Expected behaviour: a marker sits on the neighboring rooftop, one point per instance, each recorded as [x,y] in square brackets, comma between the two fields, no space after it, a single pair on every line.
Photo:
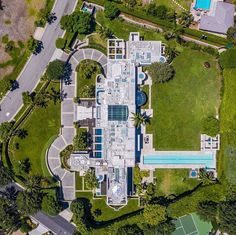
[221,20]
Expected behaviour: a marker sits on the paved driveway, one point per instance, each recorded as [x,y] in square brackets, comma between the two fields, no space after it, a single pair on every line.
[36,65]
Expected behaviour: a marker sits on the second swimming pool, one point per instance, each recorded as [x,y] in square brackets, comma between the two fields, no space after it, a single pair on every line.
[205,159]
[203,4]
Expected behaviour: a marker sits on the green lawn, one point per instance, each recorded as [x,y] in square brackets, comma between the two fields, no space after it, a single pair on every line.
[108,213]
[227,160]
[78,181]
[181,104]
[96,42]
[173,181]
[170,3]
[42,126]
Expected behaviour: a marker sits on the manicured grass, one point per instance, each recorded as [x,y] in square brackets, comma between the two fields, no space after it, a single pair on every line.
[170,4]
[173,181]
[42,125]
[108,213]
[226,159]
[145,88]
[181,104]
[96,42]
[78,181]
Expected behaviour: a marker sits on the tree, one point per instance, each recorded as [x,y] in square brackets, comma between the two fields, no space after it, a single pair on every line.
[41,100]
[90,179]
[5,176]
[60,43]
[211,126]
[78,22]
[27,98]
[154,214]
[5,128]
[9,216]
[55,70]
[140,119]
[231,34]
[32,183]
[227,217]
[105,32]
[161,11]
[185,18]
[24,166]
[171,53]
[207,177]
[161,72]
[111,11]
[54,95]
[32,44]
[28,203]
[80,141]
[77,207]
[130,229]
[21,133]
[51,205]
[207,210]
[165,228]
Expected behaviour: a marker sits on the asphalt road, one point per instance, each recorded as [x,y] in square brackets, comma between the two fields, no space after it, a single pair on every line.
[36,65]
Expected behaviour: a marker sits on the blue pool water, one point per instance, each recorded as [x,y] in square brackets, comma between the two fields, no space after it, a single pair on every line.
[203,4]
[177,158]
[141,98]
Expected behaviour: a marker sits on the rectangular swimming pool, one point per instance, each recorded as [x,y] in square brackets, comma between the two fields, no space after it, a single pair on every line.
[202,4]
[205,159]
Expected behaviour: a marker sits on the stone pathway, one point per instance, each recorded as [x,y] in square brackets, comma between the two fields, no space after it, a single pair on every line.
[68,131]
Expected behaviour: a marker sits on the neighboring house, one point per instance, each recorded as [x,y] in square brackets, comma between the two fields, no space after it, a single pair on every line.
[221,20]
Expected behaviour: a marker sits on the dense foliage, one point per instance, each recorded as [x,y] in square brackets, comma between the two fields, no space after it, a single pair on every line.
[91,179]
[55,70]
[154,214]
[130,230]
[5,176]
[161,72]
[111,11]
[77,22]
[231,34]
[5,128]
[80,141]
[51,205]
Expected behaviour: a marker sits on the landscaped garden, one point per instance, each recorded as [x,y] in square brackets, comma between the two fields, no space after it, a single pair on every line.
[42,127]
[181,104]
[87,70]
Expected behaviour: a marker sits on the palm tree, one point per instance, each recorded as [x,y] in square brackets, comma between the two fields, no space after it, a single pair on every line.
[171,53]
[33,183]
[105,32]
[140,119]
[207,177]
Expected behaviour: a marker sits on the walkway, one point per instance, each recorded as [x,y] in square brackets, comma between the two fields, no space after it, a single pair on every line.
[68,131]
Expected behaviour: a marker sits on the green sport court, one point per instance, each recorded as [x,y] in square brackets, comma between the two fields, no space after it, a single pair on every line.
[191,225]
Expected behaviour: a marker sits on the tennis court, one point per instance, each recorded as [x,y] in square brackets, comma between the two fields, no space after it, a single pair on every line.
[191,225]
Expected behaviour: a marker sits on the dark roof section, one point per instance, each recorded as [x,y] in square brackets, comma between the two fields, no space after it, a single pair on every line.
[221,21]
[56,224]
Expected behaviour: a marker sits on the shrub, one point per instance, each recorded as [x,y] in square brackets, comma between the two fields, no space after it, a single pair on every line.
[32,44]
[161,72]
[51,205]
[80,141]
[207,65]
[231,34]
[211,126]
[90,179]
[77,207]
[65,155]
[25,227]
[10,46]
[5,39]
[55,70]
[60,43]
[88,91]
[111,11]
[227,58]
[77,22]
